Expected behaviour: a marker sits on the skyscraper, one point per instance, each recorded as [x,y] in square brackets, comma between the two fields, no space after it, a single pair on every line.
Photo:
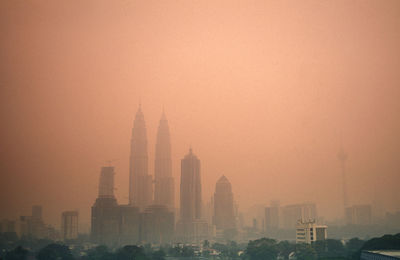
[106,182]
[113,224]
[164,182]
[140,182]
[105,213]
[190,226]
[190,189]
[224,217]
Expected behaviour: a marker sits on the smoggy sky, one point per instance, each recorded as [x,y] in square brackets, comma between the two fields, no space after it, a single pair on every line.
[265,92]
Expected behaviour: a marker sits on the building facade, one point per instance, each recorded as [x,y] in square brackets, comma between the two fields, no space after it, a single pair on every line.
[291,214]
[164,182]
[308,232]
[359,215]
[191,226]
[69,225]
[113,224]
[140,182]
[224,217]
[157,225]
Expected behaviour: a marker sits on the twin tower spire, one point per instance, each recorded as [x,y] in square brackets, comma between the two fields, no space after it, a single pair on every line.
[140,181]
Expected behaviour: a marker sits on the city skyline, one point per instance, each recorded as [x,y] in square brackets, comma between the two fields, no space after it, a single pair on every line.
[266,93]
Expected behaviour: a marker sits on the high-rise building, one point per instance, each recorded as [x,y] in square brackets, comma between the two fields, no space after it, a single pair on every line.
[291,214]
[129,226]
[106,183]
[191,227]
[309,231]
[359,215]
[140,182]
[69,225]
[157,225]
[113,224]
[190,189]
[224,217]
[164,182]
[105,214]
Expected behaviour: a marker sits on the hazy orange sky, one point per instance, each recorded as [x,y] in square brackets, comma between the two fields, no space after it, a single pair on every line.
[266,92]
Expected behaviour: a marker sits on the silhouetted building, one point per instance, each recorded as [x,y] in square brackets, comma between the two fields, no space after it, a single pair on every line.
[309,231]
[106,182]
[271,219]
[8,226]
[33,226]
[190,189]
[112,224]
[291,214]
[129,225]
[191,227]
[359,215]
[140,182]
[37,212]
[224,217]
[157,225]
[69,225]
[164,182]
[105,211]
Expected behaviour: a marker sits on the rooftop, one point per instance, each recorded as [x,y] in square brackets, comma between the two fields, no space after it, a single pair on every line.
[392,253]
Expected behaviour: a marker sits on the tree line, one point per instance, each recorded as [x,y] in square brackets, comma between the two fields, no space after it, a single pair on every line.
[260,249]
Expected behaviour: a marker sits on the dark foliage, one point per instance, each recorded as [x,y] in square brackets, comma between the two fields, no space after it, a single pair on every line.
[18,253]
[131,253]
[55,252]
[262,249]
[305,252]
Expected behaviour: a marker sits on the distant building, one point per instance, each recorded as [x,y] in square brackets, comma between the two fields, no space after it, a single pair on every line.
[69,225]
[224,217]
[272,218]
[157,225]
[393,219]
[164,193]
[129,226]
[380,255]
[191,226]
[308,232]
[112,224]
[291,214]
[140,182]
[37,212]
[8,226]
[359,215]
[33,226]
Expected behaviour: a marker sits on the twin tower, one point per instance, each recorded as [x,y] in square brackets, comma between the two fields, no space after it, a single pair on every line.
[140,181]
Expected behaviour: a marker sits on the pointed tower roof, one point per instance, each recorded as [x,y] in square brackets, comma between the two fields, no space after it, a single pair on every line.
[190,154]
[139,112]
[223,179]
[163,116]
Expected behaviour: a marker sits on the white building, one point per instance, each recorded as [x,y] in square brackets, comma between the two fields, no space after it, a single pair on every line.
[309,231]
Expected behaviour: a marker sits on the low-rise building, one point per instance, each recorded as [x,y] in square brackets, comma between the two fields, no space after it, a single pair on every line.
[308,232]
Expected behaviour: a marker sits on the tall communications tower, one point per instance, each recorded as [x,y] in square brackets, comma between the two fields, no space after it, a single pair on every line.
[342,156]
